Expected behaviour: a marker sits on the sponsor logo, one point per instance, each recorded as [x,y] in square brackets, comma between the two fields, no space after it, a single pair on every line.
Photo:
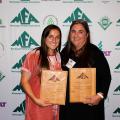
[24,18]
[20,110]
[18,90]
[18,65]
[50,19]
[25,41]
[3,104]
[116,113]
[117,91]
[106,53]
[76,14]
[105,22]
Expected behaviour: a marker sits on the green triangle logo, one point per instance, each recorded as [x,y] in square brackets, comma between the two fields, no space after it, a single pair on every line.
[24,18]
[24,41]
[77,14]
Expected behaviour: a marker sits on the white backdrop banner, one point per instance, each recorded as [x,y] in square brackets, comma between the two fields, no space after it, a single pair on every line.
[21,25]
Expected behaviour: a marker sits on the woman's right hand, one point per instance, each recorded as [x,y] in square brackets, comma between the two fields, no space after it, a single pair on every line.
[42,103]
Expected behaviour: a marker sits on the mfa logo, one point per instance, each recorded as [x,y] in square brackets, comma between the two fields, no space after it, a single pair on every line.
[24,18]
[18,89]
[20,110]
[76,14]
[18,65]
[25,41]
[2,76]
[105,22]
[116,113]
[117,46]
[54,78]
[117,91]
[82,76]
[50,19]
[106,53]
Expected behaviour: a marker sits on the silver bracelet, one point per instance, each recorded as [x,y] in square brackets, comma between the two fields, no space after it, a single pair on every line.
[100,95]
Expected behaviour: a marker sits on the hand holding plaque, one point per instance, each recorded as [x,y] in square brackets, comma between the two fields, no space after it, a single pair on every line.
[82,83]
[53,86]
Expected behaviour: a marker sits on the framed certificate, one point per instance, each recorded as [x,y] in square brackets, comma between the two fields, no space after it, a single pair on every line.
[53,86]
[82,83]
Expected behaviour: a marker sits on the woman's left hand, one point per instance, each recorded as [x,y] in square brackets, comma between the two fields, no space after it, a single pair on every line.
[93,100]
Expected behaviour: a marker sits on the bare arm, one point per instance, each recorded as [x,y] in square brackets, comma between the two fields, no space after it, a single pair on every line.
[25,77]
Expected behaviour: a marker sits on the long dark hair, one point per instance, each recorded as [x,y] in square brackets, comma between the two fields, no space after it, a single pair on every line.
[43,48]
[84,55]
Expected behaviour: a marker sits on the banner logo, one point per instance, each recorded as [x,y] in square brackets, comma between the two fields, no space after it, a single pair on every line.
[116,113]
[24,18]
[20,110]
[106,53]
[105,22]
[18,65]
[117,91]
[25,41]
[50,19]
[76,14]
[18,90]
[3,104]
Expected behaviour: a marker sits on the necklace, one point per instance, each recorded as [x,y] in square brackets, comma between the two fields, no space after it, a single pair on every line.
[54,63]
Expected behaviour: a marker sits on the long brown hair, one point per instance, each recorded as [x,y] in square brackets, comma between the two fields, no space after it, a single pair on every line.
[84,54]
[84,23]
[43,48]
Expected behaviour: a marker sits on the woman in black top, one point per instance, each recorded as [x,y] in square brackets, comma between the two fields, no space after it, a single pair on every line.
[83,54]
